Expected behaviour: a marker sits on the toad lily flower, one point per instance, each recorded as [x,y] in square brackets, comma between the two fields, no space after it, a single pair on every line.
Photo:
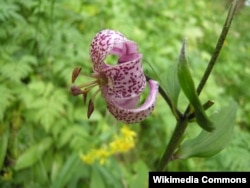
[122,84]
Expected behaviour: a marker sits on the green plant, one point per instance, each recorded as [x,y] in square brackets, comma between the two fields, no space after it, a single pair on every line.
[44,130]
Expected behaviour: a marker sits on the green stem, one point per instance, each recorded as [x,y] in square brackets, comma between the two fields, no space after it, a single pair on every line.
[173,143]
[218,47]
[182,123]
[164,95]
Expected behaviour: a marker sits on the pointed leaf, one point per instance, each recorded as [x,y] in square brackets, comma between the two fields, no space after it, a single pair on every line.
[188,87]
[209,143]
[96,178]
[67,171]
[33,154]
[170,83]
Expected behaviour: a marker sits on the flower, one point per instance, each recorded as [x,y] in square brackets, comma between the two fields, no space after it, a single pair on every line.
[99,155]
[124,142]
[122,84]
[121,143]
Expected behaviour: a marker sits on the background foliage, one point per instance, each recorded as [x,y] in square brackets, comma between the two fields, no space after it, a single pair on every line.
[43,129]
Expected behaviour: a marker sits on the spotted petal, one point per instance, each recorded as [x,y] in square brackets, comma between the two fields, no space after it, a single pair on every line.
[108,42]
[135,115]
[122,84]
[125,80]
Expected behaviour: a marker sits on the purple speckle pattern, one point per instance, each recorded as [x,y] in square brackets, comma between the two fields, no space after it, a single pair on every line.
[103,44]
[136,115]
[125,81]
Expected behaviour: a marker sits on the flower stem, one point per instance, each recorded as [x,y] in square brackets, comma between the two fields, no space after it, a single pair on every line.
[182,123]
[219,45]
[173,143]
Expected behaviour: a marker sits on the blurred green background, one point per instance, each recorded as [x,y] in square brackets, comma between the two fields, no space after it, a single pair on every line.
[43,129]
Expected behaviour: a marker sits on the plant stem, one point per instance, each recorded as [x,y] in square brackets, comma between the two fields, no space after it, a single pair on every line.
[173,143]
[182,123]
[164,95]
[218,47]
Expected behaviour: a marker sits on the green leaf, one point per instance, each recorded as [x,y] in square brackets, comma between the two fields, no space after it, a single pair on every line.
[209,143]
[9,10]
[5,100]
[4,137]
[169,82]
[33,154]
[67,171]
[139,178]
[46,101]
[74,136]
[188,87]
[96,179]
[111,175]
[15,69]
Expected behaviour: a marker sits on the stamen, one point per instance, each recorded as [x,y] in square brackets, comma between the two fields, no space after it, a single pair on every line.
[89,84]
[94,95]
[75,74]
[77,71]
[91,103]
[90,76]
[75,90]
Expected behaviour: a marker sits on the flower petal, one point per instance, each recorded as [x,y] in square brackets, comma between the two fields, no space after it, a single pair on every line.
[105,42]
[128,103]
[138,114]
[125,80]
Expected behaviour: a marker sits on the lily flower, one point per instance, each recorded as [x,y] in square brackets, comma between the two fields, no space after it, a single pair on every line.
[122,84]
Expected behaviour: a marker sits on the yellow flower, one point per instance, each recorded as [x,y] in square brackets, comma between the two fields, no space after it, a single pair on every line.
[89,158]
[127,132]
[99,155]
[102,155]
[122,143]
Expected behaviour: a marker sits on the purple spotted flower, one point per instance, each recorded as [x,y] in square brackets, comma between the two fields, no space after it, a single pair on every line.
[122,84]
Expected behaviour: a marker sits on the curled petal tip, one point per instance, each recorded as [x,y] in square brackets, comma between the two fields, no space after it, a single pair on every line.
[137,114]
[122,84]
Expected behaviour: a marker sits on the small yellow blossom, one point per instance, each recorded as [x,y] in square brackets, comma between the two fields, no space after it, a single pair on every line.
[121,143]
[102,154]
[89,158]
[127,132]
[99,155]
